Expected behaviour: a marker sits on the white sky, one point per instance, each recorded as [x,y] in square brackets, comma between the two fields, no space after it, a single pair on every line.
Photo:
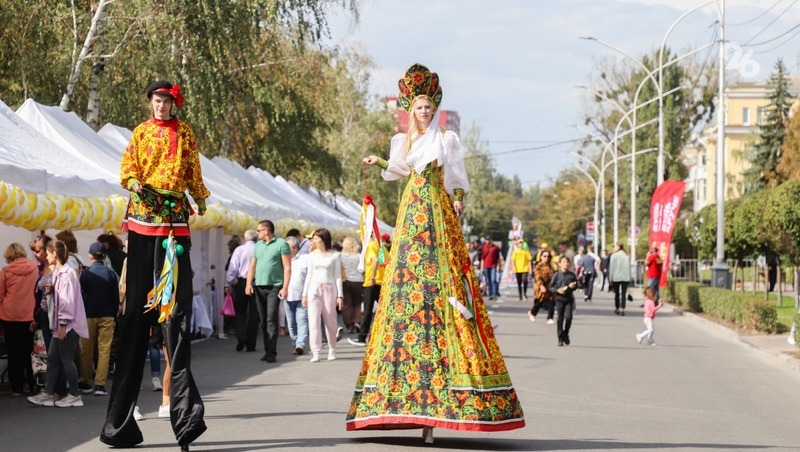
[511,66]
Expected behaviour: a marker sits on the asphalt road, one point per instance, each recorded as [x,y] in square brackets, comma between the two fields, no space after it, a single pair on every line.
[700,388]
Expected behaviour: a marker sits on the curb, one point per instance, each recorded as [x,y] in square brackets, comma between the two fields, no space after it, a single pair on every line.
[792,362]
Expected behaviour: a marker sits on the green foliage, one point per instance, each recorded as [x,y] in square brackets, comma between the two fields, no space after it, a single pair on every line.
[782,212]
[766,154]
[733,307]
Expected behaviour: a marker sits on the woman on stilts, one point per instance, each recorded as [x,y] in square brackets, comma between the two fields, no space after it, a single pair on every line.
[431,359]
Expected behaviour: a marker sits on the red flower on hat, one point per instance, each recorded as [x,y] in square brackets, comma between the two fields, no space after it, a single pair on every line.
[175,92]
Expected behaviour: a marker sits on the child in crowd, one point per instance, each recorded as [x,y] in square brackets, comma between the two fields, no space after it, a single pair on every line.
[651,304]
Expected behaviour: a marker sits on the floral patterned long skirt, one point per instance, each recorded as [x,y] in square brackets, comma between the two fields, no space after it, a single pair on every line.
[432,358]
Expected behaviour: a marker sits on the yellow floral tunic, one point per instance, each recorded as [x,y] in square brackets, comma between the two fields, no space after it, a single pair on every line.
[162,156]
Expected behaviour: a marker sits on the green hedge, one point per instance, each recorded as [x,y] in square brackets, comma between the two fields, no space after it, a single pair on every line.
[739,308]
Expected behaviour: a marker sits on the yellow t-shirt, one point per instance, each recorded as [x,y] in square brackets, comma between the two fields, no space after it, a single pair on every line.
[373,249]
[522,260]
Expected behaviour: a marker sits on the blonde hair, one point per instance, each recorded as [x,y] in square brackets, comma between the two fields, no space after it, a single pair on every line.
[413,123]
[349,245]
[14,251]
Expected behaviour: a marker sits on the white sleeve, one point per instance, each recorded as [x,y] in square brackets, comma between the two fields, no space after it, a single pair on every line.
[398,167]
[309,274]
[337,274]
[455,174]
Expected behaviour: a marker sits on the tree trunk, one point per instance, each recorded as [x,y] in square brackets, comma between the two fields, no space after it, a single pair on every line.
[93,106]
[778,283]
[87,44]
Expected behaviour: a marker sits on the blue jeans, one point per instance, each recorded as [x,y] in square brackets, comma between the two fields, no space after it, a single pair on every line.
[653,282]
[296,322]
[491,280]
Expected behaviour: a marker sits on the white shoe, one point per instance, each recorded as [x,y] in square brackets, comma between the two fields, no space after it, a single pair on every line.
[356,343]
[339,334]
[69,400]
[136,414]
[157,384]
[791,340]
[639,338]
[531,316]
[314,358]
[331,355]
[163,411]
[42,399]
[550,321]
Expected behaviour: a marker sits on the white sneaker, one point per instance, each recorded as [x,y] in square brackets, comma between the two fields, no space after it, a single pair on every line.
[339,334]
[356,342]
[331,355]
[42,399]
[69,400]
[157,384]
[791,340]
[315,358]
[531,316]
[163,411]
[137,416]
[639,338]
[550,321]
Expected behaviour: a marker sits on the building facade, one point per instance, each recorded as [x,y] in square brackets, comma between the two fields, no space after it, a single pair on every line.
[746,105]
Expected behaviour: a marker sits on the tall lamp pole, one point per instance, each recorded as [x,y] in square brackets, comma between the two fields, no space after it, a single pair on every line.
[721,276]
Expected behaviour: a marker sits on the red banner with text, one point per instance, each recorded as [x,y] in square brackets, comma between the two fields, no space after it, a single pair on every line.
[664,208]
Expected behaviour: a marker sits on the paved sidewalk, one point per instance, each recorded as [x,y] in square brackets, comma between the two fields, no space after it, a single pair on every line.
[700,388]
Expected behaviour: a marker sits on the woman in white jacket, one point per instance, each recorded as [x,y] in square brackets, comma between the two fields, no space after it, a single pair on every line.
[322,293]
[619,273]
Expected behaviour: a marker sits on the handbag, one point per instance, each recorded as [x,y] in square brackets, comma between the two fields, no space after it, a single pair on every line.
[227,307]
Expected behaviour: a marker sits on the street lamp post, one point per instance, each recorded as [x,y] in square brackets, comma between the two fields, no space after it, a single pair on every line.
[721,276]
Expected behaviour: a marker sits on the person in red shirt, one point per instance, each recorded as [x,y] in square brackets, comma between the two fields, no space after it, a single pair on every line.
[654,265]
[490,258]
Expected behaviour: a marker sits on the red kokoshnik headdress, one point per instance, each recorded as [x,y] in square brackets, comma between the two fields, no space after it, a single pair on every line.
[419,81]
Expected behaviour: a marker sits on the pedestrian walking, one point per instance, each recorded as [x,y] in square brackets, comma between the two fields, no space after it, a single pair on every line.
[543,274]
[651,304]
[323,293]
[430,305]
[619,273]
[563,286]
[158,215]
[521,259]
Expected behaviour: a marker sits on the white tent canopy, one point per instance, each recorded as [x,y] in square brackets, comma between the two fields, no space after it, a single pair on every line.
[76,138]
[34,163]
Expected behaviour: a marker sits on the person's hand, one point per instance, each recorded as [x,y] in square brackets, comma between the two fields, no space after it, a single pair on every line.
[33,326]
[572,285]
[339,302]
[137,188]
[201,211]
[458,206]
[305,302]
[248,289]
[283,293]
[62,332]
[370,160]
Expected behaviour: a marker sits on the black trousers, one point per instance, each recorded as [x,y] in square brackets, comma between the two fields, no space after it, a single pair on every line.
[268,309]
[246,320]
[371,295]
[522,282]
[564,309]
[620,294]
[145,257]
[549,305]
[19,343]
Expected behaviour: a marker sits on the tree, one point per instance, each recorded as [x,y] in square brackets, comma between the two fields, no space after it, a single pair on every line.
[765,156]
[789,166]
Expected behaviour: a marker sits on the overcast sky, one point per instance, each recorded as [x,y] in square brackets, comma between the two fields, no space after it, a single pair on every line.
[511,66]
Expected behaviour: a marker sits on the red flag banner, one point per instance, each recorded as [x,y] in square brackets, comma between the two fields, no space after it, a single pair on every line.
[664,208]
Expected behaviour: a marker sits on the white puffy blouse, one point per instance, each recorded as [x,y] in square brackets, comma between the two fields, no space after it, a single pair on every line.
[444,147]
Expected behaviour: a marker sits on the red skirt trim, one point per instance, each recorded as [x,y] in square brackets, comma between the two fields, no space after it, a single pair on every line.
[157,230]
[409,422]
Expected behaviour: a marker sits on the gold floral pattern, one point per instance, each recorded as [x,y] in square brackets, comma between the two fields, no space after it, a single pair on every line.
[425,363]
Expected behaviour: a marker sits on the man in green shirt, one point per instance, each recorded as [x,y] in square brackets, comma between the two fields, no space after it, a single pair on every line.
[268,278]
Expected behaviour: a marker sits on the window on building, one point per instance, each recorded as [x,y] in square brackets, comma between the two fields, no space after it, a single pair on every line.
[760,116]
[746,116]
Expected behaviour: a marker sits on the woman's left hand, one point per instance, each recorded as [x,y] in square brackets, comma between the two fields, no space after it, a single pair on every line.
[458,206]
[62,332]
[339,302]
